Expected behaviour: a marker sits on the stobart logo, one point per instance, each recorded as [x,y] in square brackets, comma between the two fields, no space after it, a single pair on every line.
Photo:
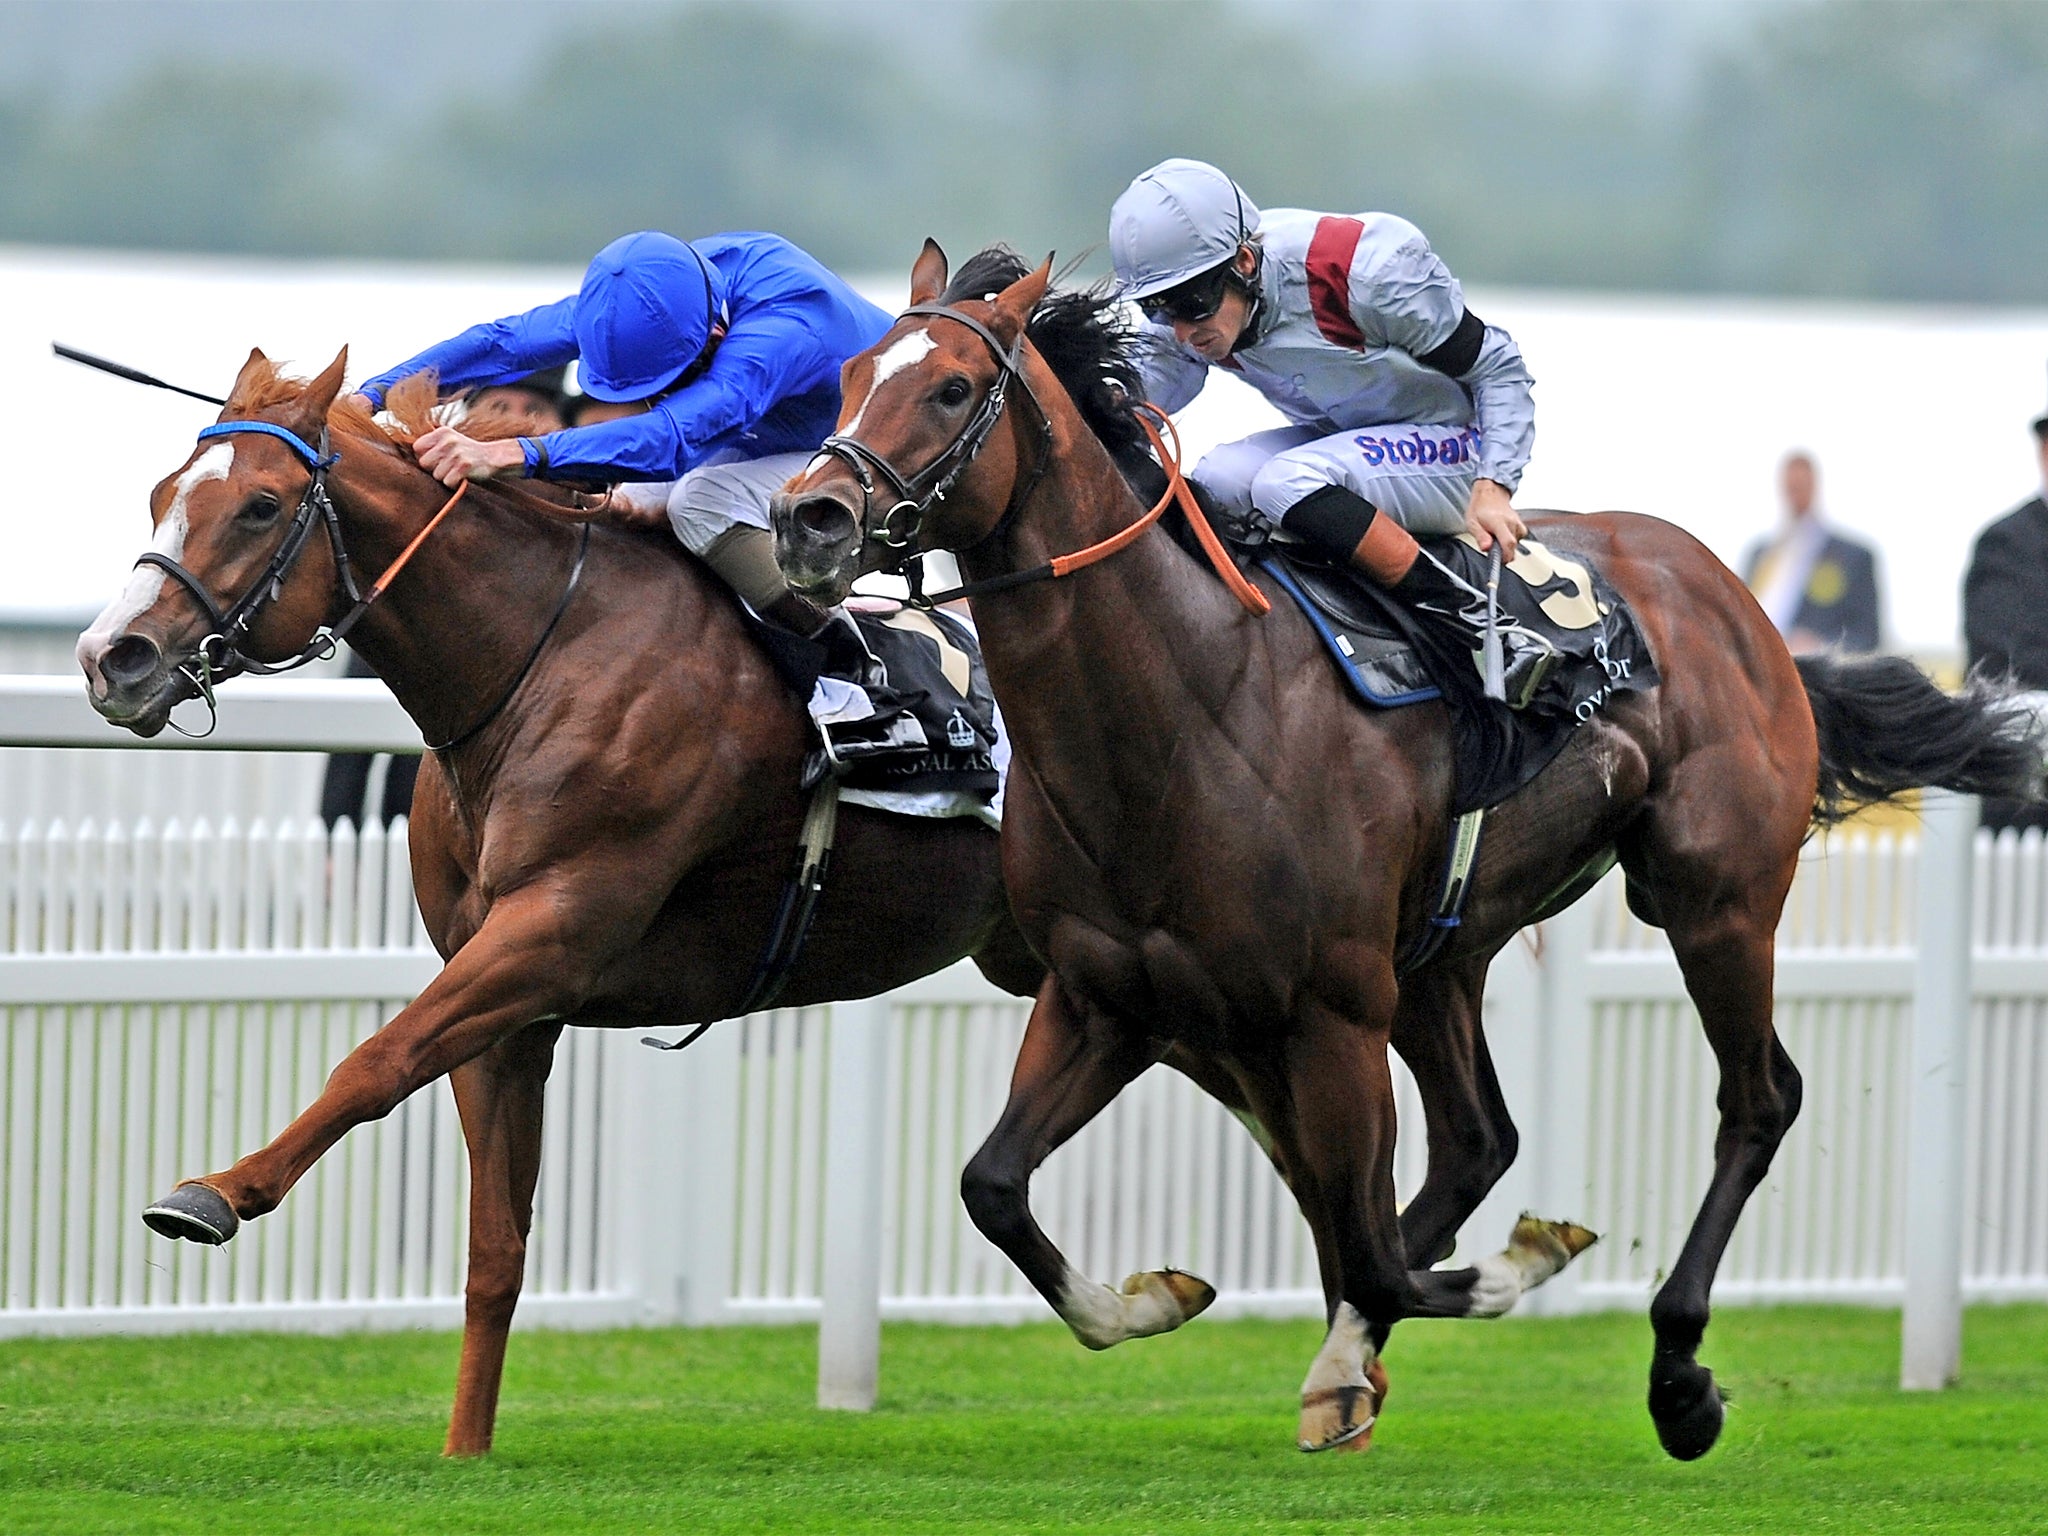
[1418,448]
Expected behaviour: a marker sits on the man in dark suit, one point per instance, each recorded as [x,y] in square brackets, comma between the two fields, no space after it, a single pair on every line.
[1817,585]
[2005,611]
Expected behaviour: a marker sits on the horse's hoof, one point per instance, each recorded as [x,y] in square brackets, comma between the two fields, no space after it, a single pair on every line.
[1568,1236]
[1191,1293]
[1342,1418]
[1686,1407]
[1376,1374]
[195,1213]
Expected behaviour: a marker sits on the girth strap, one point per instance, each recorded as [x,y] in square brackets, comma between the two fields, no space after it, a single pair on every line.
[1450,902]
[793,916]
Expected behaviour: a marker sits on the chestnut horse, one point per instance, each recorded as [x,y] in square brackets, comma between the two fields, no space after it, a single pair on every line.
[605,843]
[1213,848]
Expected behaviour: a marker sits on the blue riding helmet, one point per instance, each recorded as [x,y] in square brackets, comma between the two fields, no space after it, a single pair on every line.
[642,317]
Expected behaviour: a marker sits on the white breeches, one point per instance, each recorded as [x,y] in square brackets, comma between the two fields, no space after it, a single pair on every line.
[1421,476]
[706,503]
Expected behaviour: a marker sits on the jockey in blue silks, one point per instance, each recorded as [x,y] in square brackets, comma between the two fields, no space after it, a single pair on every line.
[725,352]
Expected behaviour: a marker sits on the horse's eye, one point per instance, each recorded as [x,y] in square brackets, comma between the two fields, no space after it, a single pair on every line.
[954,392]
[261,507]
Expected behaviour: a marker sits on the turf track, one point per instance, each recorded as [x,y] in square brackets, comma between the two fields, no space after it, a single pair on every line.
[1516,1426]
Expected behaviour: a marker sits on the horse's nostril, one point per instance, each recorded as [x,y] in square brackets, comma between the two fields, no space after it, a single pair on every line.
[824,517]
[130,660]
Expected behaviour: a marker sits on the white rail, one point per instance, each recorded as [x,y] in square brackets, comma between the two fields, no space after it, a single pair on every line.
[257,714]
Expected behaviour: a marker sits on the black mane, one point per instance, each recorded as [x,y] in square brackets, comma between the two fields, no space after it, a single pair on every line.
[1084,338]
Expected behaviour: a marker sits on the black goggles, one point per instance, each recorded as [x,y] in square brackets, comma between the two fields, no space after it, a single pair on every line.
[1192,301]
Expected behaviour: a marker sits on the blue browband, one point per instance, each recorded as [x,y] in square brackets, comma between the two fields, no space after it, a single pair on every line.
[284,435]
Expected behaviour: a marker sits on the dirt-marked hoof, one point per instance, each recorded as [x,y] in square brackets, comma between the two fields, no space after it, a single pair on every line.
[1376,1375]
[1342,1418]
[1334,1416]
[1686,1407]
[1533,1231]
[193,1212]
[1191,1293]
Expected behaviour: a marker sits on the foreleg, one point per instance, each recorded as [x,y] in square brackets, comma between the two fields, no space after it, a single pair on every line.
[1068,1070]
[500,1096]
[528,962]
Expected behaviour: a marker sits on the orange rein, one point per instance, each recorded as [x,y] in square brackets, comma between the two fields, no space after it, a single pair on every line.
[377,588]
[1177,489]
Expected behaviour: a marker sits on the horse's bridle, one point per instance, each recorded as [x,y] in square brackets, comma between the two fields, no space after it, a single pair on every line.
[903,524]
[943,471]
[220,655]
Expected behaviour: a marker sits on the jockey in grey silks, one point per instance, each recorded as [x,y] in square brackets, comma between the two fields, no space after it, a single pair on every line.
[1409,414]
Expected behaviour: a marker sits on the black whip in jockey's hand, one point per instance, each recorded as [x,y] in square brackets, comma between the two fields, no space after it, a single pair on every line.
[133,375]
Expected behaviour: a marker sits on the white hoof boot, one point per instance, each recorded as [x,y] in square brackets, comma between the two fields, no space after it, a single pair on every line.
[1339,1401]
[1536,1250]
[1154,1301]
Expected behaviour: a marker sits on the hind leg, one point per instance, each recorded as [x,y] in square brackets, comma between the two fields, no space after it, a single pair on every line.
[1720,897]
[1071,1065]
[1472,1137]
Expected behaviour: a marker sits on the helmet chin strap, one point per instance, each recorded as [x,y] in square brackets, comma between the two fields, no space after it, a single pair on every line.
[1253,286]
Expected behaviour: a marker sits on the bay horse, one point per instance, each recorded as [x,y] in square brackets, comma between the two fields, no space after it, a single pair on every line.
[1214,849]
[606,840]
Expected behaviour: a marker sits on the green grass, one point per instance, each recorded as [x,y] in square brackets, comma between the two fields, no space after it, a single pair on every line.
[1515,1426]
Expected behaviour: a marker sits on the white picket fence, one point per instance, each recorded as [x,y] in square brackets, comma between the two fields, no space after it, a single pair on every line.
[170,994]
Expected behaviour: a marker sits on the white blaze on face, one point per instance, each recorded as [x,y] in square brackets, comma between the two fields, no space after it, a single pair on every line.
[146,581]
[904,352]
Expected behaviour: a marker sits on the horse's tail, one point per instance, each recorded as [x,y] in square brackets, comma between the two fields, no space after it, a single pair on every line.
[1885,728]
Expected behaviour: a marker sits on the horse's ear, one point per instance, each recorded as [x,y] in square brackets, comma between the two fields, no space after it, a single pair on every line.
[254,373]
[928,277]
[320,395]
[1015,303]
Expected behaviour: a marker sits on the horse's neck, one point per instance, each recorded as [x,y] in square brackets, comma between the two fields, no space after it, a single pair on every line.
[1104,672]
[458,621]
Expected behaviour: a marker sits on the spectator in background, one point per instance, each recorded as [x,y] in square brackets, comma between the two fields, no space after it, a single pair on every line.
[2005,611]
[1817,585]
[528,408]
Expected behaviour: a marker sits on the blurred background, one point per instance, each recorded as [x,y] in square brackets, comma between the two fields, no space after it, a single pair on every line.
[1720,230]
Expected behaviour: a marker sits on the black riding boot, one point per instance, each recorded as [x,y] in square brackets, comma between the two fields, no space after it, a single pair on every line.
[1433,589]
[1339,521]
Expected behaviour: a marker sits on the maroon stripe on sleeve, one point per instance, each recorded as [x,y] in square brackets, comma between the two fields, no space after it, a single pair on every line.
[1329,279]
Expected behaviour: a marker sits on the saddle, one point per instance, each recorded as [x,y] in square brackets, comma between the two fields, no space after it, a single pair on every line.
[899,698]
[1390,659]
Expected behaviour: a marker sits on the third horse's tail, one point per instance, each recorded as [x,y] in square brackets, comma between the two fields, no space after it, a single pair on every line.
[1885,728]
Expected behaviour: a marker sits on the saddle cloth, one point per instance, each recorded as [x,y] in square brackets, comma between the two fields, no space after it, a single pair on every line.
[1391,659]
[903,709]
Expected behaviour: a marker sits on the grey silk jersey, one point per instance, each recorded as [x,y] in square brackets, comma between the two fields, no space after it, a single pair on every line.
[1349,307]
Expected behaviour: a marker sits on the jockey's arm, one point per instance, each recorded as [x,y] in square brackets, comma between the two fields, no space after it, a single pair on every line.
[498,351]
[765,357]
[1408,298]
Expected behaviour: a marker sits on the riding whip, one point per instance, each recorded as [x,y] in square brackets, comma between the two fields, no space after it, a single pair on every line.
[133,375]
[1492,672]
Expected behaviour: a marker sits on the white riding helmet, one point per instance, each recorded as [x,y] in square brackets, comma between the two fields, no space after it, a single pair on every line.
[1177,221]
